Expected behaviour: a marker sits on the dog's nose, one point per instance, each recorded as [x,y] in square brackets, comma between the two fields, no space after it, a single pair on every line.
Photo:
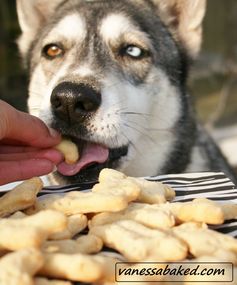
[74,102]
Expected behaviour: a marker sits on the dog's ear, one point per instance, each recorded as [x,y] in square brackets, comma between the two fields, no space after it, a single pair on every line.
[31,14]
[184,18]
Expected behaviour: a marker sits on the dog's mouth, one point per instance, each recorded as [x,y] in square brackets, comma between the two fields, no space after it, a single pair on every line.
[93,157]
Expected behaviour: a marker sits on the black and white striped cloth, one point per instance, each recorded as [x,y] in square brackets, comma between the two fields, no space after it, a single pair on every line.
[212,185]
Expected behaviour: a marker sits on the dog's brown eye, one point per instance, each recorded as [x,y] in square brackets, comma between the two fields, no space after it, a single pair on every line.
[52,51]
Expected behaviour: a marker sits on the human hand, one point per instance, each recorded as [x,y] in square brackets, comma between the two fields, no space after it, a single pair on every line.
[25,146]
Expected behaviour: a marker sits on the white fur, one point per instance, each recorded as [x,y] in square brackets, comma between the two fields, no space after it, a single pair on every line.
[84,70]
[72,27]
[114,128]
[116,25]
[39,100]
[113,25]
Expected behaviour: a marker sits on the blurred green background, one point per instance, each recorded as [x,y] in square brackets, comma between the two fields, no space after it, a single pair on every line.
[212,82]
[13,83]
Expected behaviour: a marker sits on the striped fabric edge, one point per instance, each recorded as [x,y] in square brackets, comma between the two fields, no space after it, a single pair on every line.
[188,186]
[210,185]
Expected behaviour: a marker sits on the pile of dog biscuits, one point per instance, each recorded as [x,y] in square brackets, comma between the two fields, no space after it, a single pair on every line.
[43,240]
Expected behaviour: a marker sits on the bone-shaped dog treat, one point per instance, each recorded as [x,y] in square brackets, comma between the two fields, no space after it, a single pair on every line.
[89,243]
[137,189]
[130,215]
[20,197]
[74,267]
[154,192]
[84,244]
[114,182]
[139,243]
[81,202]
[30,231]
[203,241]
[201,210]
[148,215]
[20,266]
[75,224]
[50,221]
[14,237]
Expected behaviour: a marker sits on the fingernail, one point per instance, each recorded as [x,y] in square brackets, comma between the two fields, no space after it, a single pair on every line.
[53,133]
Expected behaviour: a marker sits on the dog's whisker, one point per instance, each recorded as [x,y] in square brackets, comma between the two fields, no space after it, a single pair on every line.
[148,130]
[115,138]
[146,116]
[141,132]
[132,144]
[136,113]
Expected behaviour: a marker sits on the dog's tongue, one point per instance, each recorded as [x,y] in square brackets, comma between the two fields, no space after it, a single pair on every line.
[92,153]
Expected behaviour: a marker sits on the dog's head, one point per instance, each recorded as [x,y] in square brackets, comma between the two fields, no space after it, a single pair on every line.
[110,75]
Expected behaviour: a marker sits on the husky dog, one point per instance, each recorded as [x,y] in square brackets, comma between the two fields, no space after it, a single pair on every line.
[111,76]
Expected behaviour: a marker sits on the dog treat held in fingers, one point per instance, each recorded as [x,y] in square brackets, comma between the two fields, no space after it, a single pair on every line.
[138,243]
[74,267]
[20,197]
[17,268]
[148,215]
[69,150]
[81,202]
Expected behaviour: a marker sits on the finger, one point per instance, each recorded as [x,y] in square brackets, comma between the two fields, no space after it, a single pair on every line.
[53,155]
[21,126]
[24,169]
[12,142]
[5,149]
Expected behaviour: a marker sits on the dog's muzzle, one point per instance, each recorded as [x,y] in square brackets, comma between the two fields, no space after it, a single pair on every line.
[73,105]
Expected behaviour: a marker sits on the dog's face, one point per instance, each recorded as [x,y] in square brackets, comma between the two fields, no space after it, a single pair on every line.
[110,75]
